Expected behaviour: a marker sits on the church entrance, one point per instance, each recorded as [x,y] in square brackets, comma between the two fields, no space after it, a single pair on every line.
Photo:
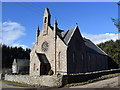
[45,65]
[44,68]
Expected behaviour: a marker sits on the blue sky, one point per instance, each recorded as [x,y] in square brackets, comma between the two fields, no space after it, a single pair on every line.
[20,20]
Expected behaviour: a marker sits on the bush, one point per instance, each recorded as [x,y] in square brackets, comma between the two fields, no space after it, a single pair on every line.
[50,72]
[23,73]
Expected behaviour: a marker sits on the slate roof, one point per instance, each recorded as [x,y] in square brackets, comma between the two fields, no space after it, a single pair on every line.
[66,35]
[42,58]
[90,46]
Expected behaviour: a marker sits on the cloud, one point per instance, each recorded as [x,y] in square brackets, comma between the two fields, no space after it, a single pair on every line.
[20,45]
[98,38]
[11,32]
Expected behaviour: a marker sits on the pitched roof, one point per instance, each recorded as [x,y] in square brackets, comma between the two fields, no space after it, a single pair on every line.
[66,35]
[42,58]
[91,47]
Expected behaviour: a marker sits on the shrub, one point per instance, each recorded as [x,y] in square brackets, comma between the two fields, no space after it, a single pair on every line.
[50,72]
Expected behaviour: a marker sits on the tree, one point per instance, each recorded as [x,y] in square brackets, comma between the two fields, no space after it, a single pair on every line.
[112,48]
[9,53]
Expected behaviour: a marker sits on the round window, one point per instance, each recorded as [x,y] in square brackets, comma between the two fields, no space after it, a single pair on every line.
[45,46]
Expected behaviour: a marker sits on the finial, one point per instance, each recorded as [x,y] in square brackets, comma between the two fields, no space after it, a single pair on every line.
[76,24]
[55,21]
[47,11]
[38,27]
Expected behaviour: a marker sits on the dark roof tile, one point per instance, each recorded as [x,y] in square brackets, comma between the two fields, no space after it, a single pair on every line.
[91,47]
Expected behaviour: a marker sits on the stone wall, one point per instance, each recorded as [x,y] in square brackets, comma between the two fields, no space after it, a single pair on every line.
[82,77]
[51,81]
[58,80]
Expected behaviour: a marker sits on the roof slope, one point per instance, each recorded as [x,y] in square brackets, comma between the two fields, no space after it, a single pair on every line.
[42,58]
[66,35]
[91,47]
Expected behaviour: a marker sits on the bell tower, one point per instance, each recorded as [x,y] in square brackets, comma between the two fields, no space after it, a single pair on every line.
[46,21]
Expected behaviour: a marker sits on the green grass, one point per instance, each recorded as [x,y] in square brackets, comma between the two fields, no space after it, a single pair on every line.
[93,80]
[12,82]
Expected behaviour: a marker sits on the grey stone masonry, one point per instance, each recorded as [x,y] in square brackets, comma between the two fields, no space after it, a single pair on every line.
[46,80]
[58,80]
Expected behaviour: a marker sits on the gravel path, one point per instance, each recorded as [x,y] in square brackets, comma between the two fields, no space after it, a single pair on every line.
[5,85]
[107,83]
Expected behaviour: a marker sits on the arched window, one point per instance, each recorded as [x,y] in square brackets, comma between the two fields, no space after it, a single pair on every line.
[45,20]
[34,67]
[73,57]
[59,64]
[89,62]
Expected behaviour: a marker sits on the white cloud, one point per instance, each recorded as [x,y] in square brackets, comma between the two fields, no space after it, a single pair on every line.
[98,38]
[20,45]
[11,32]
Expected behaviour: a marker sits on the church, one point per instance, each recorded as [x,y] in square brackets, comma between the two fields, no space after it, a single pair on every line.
[64,51]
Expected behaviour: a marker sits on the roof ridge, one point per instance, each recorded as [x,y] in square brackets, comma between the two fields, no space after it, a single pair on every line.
[99,50]
[65,34]
[98,47]
[102,50]
[72,34]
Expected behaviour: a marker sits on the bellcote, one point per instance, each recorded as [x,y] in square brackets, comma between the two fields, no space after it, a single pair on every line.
[47,16]
[46,21]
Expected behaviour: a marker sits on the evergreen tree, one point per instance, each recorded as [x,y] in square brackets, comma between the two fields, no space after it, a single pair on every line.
[9,53]
[112,48]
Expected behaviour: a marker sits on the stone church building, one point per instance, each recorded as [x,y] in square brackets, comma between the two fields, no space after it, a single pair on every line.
[64,52]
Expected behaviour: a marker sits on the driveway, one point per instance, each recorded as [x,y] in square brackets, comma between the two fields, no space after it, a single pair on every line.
[5,85]
[107,83]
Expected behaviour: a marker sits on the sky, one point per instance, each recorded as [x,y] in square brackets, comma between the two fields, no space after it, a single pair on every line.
[21,19]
